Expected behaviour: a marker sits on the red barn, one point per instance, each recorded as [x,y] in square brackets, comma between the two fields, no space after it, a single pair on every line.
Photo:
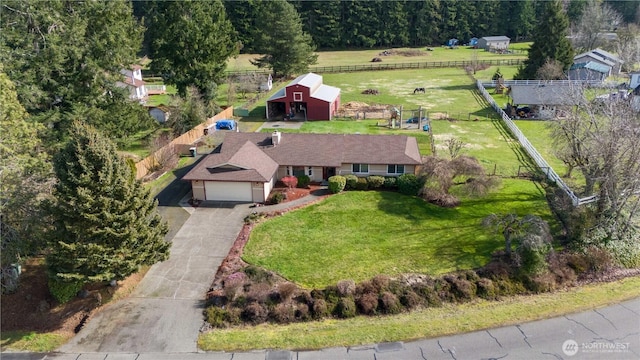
[305,98]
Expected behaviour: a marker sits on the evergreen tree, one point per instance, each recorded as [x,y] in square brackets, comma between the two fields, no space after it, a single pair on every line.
[549,41]
[190,42]
[106,223]
[287,49]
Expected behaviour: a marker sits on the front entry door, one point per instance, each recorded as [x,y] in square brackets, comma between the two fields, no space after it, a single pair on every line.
[328,172]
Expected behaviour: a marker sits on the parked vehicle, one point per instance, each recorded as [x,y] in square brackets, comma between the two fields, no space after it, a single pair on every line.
[416,120]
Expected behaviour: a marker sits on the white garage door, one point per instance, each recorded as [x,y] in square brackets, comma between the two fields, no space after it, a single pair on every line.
[228,191]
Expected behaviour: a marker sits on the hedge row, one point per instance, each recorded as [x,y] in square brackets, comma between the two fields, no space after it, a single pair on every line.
[255,295]
[407,184]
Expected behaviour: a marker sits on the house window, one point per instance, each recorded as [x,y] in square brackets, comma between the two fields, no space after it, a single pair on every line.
[310,172]
[360,168]
[297,96]
[395,169]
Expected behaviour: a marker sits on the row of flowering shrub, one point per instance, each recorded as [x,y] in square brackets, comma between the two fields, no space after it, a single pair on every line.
[254,295]
[407,184]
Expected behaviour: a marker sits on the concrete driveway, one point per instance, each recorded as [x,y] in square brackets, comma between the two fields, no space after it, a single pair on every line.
[164,313]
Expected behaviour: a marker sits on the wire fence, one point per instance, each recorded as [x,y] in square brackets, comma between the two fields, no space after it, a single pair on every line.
[532,152]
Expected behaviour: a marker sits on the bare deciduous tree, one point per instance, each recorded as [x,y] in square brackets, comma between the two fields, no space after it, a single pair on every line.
[455,145]
[628,45]
[600,140]
[597,18]
[551,70]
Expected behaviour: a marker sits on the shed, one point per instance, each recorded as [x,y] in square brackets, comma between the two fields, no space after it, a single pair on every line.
[494,43]
[602,57]
[304,98]
[546,101]
[588,71]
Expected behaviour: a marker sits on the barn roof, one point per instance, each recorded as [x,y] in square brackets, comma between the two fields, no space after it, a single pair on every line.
[496,38]
[314,82]
[309,80]
[596,57]
[544,94]
[326,93]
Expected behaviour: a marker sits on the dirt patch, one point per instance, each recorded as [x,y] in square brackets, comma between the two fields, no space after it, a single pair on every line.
[32,308]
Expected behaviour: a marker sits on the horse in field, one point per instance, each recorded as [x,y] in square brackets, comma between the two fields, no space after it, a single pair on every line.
[419,90]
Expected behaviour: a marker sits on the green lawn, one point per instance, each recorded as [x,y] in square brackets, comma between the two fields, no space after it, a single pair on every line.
[361,57]
[357,235]
[426,323]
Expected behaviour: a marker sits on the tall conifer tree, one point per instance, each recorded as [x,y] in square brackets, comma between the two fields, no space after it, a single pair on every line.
[106,223]
[549,41]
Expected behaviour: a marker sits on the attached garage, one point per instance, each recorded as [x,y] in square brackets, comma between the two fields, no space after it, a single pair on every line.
[228,191]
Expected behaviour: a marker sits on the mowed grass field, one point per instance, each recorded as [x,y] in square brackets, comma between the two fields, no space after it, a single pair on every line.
[398,55]
[359,234]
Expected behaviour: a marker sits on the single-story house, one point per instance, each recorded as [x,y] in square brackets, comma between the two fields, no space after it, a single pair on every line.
[588,71]
[545,101]
[494,43]
[305,98]
[160,113]
[602,57]
[246,166]
[134,83]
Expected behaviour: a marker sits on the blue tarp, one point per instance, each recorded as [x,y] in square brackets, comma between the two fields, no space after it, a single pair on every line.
[225,125]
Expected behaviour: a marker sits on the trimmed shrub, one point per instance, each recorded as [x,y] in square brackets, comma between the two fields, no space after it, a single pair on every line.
[396,287]
[409,184]
[486,289]
[389,303]
[365,287]
[337,183]
[63,291]
[345,308]
[375,181]
[558,266]
[255,313]
[320,309]
[258,274]
[362,184]
[541,283]
[287,290]
[508,287]
[390,182]
[410,299]
[277,197]
[346,287]
[428,293]
[303,181]
[368,303]
[461,288]
[284,313]
[233,284]
[302,312]
[352,180]
[259,292]
[216,317]
[380,283]
[442,287]
[598,259]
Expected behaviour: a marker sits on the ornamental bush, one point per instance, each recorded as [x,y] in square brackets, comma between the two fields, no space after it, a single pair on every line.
[390,183]
[375,181]
[337,183]
[362,184]
[63,291]
[303,181]
[409,184]
[352,180]
[346,308]
[290,181]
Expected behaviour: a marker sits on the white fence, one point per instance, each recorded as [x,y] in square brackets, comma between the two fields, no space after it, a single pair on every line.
[531,150]
[580,83]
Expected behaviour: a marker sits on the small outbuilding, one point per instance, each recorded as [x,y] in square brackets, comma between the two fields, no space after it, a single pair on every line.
[543,101]
[602,57]
[589,71]
[304,98]
[490,43]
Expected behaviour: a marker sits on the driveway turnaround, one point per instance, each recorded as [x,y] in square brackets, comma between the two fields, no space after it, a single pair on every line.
[610,333]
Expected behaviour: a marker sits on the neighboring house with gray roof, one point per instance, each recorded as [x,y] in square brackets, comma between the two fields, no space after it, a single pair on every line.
[546,101]
[304,98]
[602,57]
[246,166]
[590,71]
[494,43]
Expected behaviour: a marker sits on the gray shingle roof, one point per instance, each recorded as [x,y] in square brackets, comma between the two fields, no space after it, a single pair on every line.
[544,94]
[496,38]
